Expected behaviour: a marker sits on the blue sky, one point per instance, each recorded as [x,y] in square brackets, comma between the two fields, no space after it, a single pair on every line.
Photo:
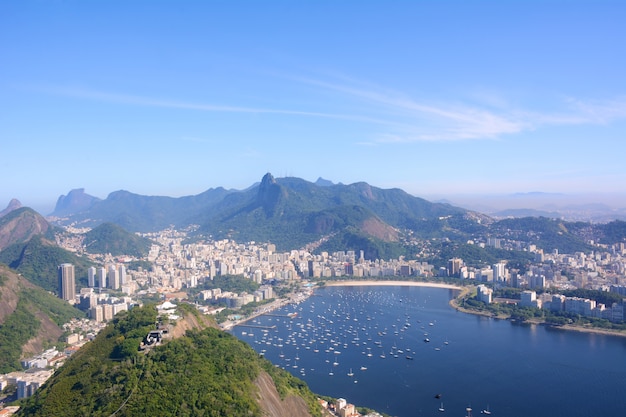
[434,97]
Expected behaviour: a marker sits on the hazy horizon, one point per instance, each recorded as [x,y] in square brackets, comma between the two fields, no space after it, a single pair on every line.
[435,98]
[485,203]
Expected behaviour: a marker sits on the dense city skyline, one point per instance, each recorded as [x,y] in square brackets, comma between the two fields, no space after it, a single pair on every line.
[434,98]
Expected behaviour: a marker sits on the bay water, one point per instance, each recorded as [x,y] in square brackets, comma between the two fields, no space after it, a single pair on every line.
[404,351]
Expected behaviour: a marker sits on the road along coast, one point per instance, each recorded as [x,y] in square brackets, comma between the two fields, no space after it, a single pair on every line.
[391,283]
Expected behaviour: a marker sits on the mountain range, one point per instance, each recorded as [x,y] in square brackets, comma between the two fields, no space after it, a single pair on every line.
[289,212]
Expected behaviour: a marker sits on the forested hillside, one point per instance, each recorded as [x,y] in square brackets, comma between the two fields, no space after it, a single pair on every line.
[206,372]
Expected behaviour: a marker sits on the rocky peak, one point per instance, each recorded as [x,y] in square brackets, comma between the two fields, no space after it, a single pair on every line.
[270,193]
[75,201]
[14,204]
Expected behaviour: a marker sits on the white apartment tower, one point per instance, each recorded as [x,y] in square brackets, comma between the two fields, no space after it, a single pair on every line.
[121,269]
[114,277]
[91,277]
[102,277]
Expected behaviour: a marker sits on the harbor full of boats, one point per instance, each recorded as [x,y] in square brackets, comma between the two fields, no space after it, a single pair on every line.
[347,339]
[405,352]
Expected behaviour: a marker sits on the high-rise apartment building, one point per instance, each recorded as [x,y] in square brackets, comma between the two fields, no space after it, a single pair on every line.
[67,283]
[102,277]
[91,277]
[121,270]
[114,277]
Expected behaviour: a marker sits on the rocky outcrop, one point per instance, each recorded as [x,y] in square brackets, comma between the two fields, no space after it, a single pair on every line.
[271,403]
[14,204]
[74,202]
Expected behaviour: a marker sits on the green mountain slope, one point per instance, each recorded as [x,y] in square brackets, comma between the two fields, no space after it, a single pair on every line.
[547,234]
[111,238]
[206,372]
[37,260]
[20,225]
[30,319]
[290,212]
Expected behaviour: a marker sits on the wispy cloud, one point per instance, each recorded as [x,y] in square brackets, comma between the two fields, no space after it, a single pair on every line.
[430,122]
[137,100]
[423,121]
[401,119]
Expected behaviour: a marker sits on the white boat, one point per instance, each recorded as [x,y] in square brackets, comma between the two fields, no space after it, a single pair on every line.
[441,407]
[350,373]
[486,411]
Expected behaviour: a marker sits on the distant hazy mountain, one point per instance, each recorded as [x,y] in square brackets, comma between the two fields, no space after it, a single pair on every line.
[140,213]
[74,202]
[527,213]
[20,225]
[14,204]
[289,211]
[321,182]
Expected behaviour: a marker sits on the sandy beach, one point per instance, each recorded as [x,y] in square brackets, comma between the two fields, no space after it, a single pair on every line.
[454,304]
[391,283]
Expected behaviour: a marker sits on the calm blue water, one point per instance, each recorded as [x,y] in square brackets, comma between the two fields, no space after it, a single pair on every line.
[514,370]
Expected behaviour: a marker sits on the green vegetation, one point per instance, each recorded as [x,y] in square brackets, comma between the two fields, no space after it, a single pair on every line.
[373,248]
[59,311]
[18,328]
[547,234]
[474,255]
[557,318]
[287,384]
[37,260]
[205,373]
[232,283]
[613,232]
[24,322]
[111,238]
[135,265]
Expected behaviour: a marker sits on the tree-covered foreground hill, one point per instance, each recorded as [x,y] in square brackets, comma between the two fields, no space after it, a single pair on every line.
[206,372]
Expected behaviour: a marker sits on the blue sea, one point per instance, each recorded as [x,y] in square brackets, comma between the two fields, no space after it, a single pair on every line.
[404,351]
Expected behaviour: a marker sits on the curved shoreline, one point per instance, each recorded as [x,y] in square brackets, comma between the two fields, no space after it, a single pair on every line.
[463,291]
[386,283]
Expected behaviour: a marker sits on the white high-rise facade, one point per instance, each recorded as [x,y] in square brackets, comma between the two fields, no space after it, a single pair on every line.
[91,277]
[102,277]
[114,278]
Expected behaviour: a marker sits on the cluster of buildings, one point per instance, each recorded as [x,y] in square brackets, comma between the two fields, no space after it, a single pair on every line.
[234,300]
[342,408]
[26,382]
[178,265]
[558,302]
[99,305]
[41,367]
[599,270]
[574,305]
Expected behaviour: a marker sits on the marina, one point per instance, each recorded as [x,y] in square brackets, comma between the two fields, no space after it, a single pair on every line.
[393,348]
